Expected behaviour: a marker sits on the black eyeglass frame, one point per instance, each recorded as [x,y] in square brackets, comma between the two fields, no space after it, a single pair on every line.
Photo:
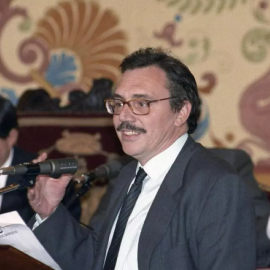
[131,108]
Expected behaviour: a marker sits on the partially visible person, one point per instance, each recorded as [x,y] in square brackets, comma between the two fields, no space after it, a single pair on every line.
[176,206]
[243,165]
[11,155]
[268,227]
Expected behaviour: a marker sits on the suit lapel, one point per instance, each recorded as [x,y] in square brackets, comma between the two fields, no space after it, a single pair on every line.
[163,206]
[120,190]
[11,199]
[17,200]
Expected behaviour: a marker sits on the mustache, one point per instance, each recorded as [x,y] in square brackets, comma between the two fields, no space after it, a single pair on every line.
[127,125]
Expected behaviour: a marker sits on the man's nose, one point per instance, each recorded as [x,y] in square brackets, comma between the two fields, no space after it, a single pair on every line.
[126,114]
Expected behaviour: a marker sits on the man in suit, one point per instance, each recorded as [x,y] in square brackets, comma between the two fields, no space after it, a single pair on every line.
[243,165]
[11,155]
[187,209]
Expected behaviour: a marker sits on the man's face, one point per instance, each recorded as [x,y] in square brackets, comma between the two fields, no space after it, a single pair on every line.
[155,131]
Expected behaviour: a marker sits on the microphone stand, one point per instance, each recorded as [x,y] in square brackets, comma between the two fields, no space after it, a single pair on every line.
[83,189]
[26,181]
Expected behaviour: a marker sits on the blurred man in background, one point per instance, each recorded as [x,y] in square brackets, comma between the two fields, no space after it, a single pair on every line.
[12,155]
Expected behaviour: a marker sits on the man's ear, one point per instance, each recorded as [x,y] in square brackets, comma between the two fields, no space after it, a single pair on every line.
[183,114]
[12,137]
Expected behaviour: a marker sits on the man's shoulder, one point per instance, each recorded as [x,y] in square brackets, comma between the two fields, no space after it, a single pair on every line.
[21,155]
[232,156]
[207,162]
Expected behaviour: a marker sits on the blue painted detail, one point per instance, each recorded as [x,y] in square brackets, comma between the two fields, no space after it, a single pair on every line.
[61,69]
[178,18]
[10,94]
[202,127]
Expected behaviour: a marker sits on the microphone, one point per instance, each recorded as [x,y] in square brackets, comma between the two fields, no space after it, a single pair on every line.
[51,167]
[108,170]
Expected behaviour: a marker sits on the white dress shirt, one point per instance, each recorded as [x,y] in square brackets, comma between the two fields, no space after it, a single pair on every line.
[3,178]
[156,170]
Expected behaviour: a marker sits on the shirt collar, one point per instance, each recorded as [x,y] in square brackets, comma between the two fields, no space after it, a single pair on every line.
[9,159]
[164,160]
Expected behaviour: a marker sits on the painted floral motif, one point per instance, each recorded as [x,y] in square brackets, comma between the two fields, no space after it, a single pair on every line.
[91,36]
[168,34]
[194,48]
[30,49]
[255,44]
[206,6]
[261,10]
[73,44]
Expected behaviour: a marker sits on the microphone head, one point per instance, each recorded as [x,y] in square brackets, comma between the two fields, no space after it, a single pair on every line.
[112,168]
[108,170]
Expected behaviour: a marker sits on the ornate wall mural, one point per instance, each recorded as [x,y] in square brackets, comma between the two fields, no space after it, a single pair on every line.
[27,50]
[75,42]
[194,47]
[84,43]
[252,105]
[58,46]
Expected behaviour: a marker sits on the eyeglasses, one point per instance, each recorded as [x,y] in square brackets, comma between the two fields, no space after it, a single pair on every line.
[138,106]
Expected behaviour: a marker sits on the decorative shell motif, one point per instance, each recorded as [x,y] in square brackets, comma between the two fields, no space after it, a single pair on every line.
[91,34]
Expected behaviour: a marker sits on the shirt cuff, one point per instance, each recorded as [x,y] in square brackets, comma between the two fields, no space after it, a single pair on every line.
[39,220]
[268,228]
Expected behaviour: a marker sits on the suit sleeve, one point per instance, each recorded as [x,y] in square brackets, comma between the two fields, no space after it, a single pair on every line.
[261,204]
[244,167]
[226,232]
[70,245]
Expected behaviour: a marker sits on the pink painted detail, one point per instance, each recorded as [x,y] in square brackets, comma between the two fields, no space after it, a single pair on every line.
[263,5]
[4,6]
[27,53]
[167,33]
[210,80]
[255,112]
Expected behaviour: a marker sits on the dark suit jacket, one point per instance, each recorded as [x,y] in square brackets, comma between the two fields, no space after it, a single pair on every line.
[242,163]
[201,218]
[17,199]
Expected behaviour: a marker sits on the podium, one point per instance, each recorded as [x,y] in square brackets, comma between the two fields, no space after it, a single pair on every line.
[13,259]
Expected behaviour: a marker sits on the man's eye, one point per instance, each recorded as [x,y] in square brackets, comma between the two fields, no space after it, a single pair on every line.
[141,104]
[118,104]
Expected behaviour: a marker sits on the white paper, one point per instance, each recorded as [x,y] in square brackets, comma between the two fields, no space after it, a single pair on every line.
[14,232]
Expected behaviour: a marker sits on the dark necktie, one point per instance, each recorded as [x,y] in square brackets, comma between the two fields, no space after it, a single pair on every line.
[125,212]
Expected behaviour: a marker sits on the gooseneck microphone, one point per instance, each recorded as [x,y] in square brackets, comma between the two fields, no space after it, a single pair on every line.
[108,170]
[51,167]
